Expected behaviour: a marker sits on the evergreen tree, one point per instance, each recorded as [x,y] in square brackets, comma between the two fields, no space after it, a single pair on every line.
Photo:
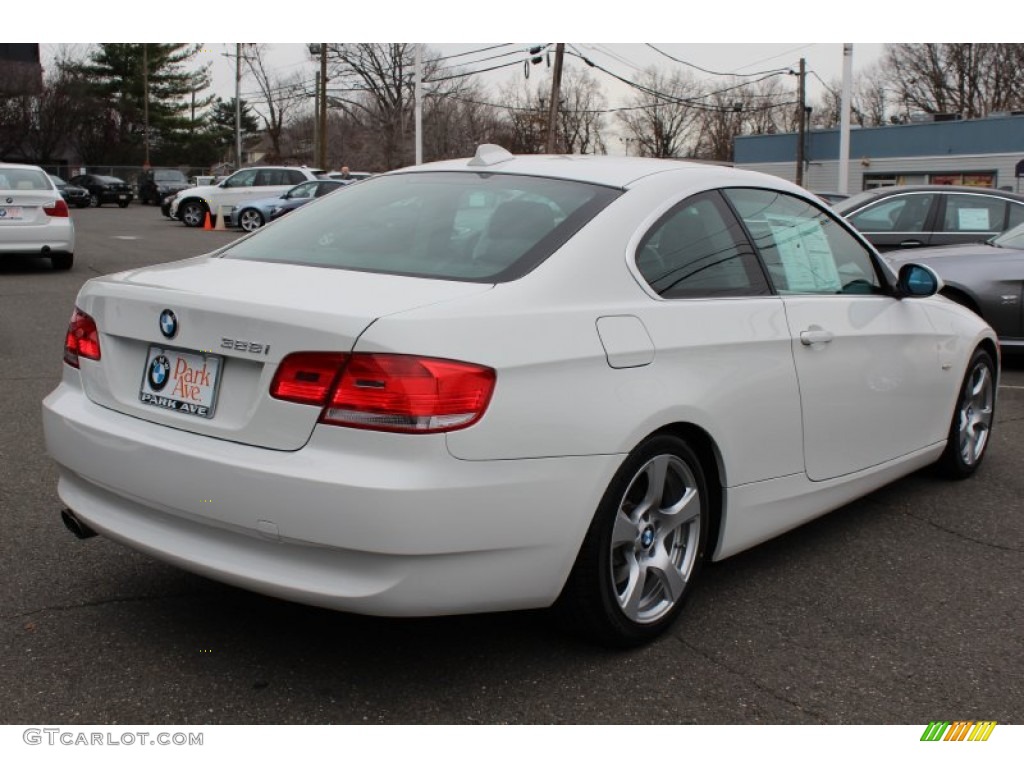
[117,86]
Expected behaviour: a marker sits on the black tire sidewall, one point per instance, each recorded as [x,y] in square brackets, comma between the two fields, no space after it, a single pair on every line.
[952,464]
[590,588]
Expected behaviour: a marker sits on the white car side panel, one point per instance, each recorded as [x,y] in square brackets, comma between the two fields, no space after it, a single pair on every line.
[756,512]
[872,393]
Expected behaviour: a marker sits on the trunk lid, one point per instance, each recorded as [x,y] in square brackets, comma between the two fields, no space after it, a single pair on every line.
[235,321]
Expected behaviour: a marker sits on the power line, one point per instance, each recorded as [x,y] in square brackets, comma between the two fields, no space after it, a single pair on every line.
[475,72]
[690,101]
[712,72]
[467,53]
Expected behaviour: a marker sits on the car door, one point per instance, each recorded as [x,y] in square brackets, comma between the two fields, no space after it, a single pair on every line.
[867,362]
[902,220]
[716,333]
[236,189]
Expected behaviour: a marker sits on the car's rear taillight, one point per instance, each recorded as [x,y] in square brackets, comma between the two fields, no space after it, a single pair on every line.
[307,377]
[59,209]
[393,393]
[82,340]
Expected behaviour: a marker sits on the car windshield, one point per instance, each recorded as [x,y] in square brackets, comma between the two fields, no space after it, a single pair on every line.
[58,181]
[109,180]
[1011,238]
[176,176]
[476,227]
[23,179]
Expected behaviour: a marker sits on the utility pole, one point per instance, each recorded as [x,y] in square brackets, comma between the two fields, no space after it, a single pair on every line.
[238,106]
[556,86]
[322,147]
[802,118]
[145,104]
[419,103]
[844,120]
[316,119]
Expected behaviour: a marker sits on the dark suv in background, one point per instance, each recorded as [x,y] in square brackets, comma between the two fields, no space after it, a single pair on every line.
[158,183]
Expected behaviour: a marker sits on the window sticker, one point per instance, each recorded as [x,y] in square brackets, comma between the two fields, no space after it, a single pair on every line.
[972,219]
[805,255]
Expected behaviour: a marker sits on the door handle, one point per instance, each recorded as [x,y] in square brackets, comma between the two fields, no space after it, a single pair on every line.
[910,243]
[815,336]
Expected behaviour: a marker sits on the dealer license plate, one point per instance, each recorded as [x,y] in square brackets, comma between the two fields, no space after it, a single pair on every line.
[186,382]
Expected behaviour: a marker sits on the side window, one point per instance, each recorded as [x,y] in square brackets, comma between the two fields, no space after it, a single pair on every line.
[974,213]
[900,213]
[302,191]
[294,177]
[697,250]
[1016,215]
[269,177]
[805,250]
[242,179]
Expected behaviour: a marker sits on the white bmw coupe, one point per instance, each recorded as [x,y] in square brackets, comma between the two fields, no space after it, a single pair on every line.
[511,382]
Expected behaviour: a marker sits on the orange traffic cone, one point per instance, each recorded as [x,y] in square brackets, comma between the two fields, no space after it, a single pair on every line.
[207,225]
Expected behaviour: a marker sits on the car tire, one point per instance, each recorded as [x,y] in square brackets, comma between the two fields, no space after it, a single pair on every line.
[62,261]
[192,213]
[971,425]
[250,219]
[94,201]
[123,203]
[644,547]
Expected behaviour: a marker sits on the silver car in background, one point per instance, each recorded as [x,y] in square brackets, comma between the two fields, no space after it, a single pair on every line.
[34,218]
[987,278]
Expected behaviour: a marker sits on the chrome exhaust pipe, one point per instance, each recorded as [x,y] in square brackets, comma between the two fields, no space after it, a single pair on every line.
[76,526]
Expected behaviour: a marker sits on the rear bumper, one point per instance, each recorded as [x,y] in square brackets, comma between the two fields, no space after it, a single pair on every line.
[40,239]
[367,522]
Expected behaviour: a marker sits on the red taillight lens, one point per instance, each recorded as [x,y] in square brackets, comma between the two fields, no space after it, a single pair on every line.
[82,340]
[402,393]
[58,210]
[393,393]
[307,377]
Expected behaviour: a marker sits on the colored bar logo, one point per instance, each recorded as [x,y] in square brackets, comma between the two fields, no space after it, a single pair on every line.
[959,730]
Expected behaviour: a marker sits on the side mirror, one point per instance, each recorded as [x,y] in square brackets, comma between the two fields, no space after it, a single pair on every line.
[918,281]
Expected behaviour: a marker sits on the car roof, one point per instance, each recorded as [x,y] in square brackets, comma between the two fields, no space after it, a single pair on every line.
[619,172]
[861,199]
[22,166]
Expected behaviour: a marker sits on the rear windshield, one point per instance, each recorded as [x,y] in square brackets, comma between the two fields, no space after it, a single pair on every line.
[474,227]
[169,176]
[23,179]
[109,180]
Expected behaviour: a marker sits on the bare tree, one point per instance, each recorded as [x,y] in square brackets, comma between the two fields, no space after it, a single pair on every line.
[581,113]
[870,104]
[525,118]
[661,118]
[970,79]
[278,96]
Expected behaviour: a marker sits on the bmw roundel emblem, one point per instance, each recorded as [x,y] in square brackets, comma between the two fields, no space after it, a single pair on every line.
[159,371]
[168,324]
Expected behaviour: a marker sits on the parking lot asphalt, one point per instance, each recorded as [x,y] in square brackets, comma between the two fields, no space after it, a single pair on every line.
[904,607]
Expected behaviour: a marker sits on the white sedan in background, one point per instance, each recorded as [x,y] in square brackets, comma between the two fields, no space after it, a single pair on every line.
[34,219]
[511,382]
